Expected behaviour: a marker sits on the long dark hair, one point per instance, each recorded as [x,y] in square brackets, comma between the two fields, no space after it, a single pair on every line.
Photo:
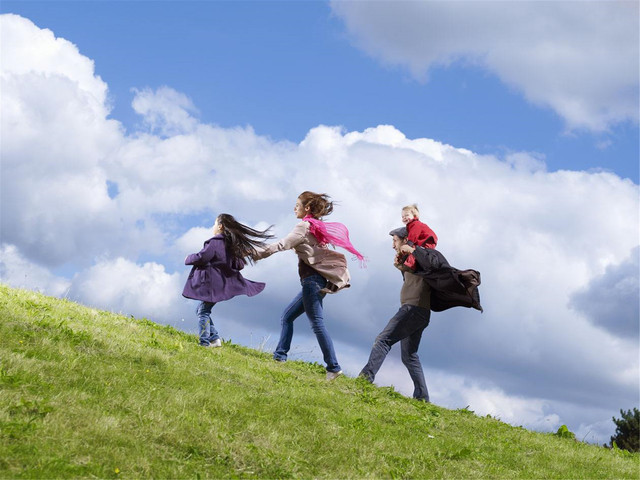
[241,241]
[318,203]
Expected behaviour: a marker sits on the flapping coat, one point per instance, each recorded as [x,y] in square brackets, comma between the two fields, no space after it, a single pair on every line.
[450,287]
[215,276]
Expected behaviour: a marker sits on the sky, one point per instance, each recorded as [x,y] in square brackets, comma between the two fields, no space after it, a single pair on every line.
[128,126]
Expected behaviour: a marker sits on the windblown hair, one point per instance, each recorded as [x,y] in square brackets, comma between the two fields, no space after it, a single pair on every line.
[412,209]
[318,203]
[241,241]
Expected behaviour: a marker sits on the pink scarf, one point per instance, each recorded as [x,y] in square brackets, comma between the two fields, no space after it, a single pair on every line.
[333,233]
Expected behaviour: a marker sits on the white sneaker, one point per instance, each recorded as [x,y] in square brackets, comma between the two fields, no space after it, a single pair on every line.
[216,343]
[333,375]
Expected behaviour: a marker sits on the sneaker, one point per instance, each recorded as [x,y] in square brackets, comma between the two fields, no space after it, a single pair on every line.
[333,375]
[216,343]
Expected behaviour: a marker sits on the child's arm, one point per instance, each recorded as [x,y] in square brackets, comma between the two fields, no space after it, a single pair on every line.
[408,249]
[399,262]
[409,260]
[204,256]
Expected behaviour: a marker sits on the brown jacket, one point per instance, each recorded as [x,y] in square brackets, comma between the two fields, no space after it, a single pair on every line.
[330,264]
[415,291]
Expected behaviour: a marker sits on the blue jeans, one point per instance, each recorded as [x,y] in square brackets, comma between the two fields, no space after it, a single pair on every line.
[308,301]
[208,332]
[405,327]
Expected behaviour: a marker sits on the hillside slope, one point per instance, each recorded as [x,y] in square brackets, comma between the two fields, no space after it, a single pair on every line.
[86,393]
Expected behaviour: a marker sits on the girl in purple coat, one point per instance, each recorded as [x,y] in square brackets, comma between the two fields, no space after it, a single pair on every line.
[215,275]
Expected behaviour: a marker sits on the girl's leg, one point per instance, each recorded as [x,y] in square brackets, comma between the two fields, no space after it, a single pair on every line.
[208,333]
[214,335]
[293,311]
[312,300]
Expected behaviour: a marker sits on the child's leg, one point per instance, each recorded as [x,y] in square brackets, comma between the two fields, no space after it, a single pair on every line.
[208,333]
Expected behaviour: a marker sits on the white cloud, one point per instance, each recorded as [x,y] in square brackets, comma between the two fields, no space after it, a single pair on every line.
[579,58]
[193,240]
[55,136]
[537,237]
[611,300]
[122,286]
[17,271]
[36,52]
[165,111]
[60,154]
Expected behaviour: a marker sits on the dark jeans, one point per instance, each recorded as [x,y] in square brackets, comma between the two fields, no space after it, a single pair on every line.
[308,301]
[405,327]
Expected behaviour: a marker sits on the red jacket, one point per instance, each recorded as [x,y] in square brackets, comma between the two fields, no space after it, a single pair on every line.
[420,235]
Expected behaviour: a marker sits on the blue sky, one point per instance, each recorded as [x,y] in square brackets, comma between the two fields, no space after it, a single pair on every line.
[284,67]
[128,126]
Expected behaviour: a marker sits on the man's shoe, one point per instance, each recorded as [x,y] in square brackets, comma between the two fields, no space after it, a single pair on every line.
[333,375]
[216,343]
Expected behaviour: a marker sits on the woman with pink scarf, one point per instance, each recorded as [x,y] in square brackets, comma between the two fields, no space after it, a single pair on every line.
[322,270]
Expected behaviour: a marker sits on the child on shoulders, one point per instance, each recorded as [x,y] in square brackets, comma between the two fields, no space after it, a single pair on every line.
[418,233]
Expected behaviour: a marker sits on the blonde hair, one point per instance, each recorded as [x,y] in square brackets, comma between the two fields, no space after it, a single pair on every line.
[412,209]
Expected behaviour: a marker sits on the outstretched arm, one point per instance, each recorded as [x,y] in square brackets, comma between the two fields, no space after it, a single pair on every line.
[293,239]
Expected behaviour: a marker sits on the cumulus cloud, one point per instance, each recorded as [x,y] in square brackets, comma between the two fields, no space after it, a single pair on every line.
[123,286]
[96,191]
[611,299]
[578,58]
[19,272]
[165,111]
[55,137]
[119,212]
[37,52]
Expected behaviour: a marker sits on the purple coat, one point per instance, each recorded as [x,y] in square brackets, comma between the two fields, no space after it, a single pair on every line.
[215,276]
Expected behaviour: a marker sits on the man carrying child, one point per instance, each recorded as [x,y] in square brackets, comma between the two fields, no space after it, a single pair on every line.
[406,326]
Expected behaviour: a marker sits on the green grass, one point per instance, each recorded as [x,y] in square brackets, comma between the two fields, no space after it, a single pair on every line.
[86,393]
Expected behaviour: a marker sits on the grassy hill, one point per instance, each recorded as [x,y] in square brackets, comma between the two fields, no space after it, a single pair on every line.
[86,393]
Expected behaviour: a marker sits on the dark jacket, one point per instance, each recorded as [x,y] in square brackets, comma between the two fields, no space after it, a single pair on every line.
[450,287]
[215,276]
